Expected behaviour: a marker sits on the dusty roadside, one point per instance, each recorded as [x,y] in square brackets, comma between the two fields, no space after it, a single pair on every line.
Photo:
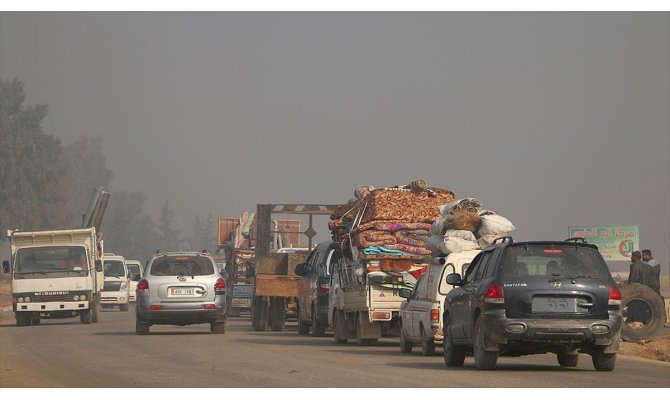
[655,349]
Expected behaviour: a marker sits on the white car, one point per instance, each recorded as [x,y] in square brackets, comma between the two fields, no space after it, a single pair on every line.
[116,290]
[135,270]
[421,312]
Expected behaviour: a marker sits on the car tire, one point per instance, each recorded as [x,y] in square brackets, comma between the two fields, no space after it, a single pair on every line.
[218,327]
[567,360]
[95,311]
[427,345]
[454,356]
[259,313]
[603,361]
[405,344]
[641,298]
[85,317]
[484,360]
[318,327]
[338,327]
[303,327]
[21,320]
[124,307]
[141,327]
[278,314]
[35,321]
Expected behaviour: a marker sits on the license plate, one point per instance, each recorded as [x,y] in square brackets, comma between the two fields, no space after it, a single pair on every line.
[556,305]
[182,291]
[241,302]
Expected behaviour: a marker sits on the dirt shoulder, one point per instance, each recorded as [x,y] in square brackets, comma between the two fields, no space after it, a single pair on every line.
[657,348]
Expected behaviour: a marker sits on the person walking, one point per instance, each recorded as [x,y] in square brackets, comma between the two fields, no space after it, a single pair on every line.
[639,272]
[655,270]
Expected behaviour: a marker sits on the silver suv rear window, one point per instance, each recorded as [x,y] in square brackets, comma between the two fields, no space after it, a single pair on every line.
[551,260]
[181,265]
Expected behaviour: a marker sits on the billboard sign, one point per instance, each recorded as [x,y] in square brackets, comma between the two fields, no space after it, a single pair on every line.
[615,243]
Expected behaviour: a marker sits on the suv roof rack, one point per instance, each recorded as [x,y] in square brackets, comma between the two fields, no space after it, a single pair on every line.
[503,239]
[575,239]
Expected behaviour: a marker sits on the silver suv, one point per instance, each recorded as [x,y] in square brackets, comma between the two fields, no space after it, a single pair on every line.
[181,288]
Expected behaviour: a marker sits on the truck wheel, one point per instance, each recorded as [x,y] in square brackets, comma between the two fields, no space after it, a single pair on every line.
[141,327]
[603,361]
[218,327]
[338,327]
[567,360]
[95,311]
[483,359]
[278,314]
[318,327]
[454,356]
[21,320]
[123,307]
[645,312]
[259,313]
[405,344]
[85,317]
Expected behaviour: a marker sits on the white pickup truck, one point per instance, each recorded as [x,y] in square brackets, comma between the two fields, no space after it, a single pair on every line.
[55,274]
[116,291]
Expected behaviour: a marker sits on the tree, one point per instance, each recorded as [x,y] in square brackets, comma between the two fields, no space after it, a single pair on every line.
[210,232]
[125,230]
[196,242]
[85,167]
[169,237]
[32,181]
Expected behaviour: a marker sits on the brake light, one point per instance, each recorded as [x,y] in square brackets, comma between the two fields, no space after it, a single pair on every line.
[434,315]
[154,308]
[210,306]
[552,251]
[383,315]
[418,272]
[494,294]
[615,296]
[220,284]
[143,285]
[323,288]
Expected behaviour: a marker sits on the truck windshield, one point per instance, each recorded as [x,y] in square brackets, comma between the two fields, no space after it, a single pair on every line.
[51,262]
[114,268]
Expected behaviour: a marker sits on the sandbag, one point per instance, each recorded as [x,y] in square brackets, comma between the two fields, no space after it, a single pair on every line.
[469,204]
[494,224]
[465,235]
[463,220]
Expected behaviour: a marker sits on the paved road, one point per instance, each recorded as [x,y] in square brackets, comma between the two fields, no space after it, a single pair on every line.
[65,353]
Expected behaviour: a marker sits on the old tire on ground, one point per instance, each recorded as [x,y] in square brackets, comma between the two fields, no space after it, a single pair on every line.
[405,344]
[483,359]
[567,360]
[318,327]
[259,313]
[338,327]
[603,361]
[85,317]
[277,313]
[141,327]
[454,356]
[645,312]
[218,327]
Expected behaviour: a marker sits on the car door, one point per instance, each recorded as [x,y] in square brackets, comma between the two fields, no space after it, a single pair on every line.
[457,300]
[476,290]
[409,308]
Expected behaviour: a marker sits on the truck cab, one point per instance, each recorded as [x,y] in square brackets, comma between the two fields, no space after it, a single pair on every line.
[135,270]
[116,291]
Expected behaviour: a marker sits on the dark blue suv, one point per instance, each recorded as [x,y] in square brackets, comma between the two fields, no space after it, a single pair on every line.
[532,298]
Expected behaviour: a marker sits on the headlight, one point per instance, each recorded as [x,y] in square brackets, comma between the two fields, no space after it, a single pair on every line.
[75,297]
[124,286]
[27,299]
[20,300]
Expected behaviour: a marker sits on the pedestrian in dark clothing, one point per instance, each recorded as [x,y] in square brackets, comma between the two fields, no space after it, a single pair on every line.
[639,272]
[655,270]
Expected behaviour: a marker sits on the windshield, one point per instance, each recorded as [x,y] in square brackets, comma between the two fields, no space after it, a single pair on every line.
[135,271]
[181,265]
[554,261]
[114,268]
[52,262]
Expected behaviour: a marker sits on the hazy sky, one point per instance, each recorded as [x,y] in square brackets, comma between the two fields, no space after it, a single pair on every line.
[551,119]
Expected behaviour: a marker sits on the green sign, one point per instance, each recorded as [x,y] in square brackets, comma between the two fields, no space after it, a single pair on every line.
[615,243]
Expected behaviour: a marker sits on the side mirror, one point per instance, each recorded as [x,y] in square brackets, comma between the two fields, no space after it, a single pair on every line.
[98,266]
[405,293]
[5,266]
[454,279]
[302,269]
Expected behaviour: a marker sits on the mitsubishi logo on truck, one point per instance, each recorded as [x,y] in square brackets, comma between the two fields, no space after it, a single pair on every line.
[52,293]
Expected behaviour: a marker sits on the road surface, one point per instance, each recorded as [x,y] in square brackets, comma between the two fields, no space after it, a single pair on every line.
[65,353]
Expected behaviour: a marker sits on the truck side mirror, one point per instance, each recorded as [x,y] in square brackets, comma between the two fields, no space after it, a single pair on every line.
[302,269]
[454,279]
[405,293]
[5,266]
[98,266]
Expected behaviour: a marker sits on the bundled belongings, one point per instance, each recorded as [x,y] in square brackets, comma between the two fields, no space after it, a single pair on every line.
[463,225]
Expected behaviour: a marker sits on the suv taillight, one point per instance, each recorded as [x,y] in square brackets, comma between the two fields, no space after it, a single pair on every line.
[615,296]
[143,285]
[220,284]
[323,288]
[434,315]
[494,294]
